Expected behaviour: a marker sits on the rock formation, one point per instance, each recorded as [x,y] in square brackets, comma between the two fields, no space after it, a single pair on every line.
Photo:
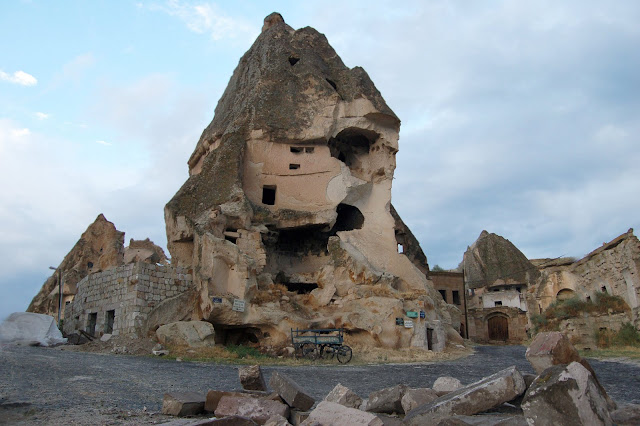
[287,205]
[100,247]
[144,251]
[497,276]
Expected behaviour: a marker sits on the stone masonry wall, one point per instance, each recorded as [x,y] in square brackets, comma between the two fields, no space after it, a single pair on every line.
[131,291]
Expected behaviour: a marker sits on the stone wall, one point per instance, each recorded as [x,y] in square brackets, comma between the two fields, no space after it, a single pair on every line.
[514,326]
[582,331]
[126,295]
[450,285]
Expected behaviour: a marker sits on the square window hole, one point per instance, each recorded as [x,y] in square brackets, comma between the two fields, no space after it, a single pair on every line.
[269,195]
[294,166]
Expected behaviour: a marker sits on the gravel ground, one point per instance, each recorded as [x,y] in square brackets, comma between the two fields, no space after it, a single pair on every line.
[51,386]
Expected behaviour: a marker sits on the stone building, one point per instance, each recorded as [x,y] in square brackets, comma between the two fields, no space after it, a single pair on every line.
[450,285]
[497,278]
[129,300]
[504,288]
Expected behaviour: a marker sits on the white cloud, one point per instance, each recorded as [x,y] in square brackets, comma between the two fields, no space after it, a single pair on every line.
[18,133]
[105,143]
[207,18]
[19,77]
[42,116]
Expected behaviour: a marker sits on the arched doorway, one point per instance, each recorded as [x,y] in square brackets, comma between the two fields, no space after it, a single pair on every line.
[498,328]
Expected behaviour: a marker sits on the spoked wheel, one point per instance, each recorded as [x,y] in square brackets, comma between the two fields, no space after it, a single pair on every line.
[344,354]
[327,352]
[309,350]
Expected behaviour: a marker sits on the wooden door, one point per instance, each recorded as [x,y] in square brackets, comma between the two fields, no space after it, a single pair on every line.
[498,328]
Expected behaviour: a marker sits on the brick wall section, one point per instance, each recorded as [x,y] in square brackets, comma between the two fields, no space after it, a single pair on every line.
[132,291]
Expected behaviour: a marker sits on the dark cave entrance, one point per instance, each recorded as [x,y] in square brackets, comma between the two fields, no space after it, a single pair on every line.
[350,144]
[349,218]
[237,335]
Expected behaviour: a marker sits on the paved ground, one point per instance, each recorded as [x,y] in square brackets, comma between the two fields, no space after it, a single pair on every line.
[54,380]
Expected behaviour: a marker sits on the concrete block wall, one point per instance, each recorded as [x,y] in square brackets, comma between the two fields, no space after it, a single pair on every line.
[132,291]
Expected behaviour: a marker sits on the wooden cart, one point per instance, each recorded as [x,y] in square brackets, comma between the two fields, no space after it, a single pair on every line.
[321,343]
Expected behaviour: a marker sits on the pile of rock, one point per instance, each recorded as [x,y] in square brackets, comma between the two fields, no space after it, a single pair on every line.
[565,391]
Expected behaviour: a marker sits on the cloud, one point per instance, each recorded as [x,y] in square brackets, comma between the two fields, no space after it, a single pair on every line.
[74,70]
[18,133]
[105,143]
[41,115]
[207,18]
[19,77]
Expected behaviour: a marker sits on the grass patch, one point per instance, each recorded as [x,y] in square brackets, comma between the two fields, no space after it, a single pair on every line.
[630,352]
[362,355]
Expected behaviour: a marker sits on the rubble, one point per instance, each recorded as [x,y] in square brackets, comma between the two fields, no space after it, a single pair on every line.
[550,348]
[195,334]
[388,400]
[344,396]
[30,329]
[257,409]
[567,395]
[446,384]
[182,404]
[333,414]
[291,392]
[251,378]
[474,398]
[413,398]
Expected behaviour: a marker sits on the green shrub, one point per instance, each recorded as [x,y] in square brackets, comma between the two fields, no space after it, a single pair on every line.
[628,335]
[539,322]
[605,302]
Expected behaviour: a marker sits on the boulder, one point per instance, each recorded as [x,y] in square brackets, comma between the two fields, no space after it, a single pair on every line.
[388,400]
[30,328]
[415,397]
[446,384]
[485,420]
[182,404]
[566,395]
[333,414]
[277,420]
[344,396]
[187,333]
[291,392]
[257,409]
[550,348]
[213,398]
[251,378]
[628,414]
[474,398]
[144,251]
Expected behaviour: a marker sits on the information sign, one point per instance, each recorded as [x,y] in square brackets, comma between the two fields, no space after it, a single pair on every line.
[238,305]
[217,300]
[399,321]
[408,324]
[422,314]
[412,314]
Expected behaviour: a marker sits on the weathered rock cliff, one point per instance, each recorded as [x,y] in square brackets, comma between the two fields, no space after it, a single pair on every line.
[287,206]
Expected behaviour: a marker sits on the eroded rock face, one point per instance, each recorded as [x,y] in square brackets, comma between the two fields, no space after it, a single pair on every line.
[100,247]
[144,251]
[287,206]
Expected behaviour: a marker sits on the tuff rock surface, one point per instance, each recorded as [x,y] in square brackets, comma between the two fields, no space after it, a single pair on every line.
[288,204]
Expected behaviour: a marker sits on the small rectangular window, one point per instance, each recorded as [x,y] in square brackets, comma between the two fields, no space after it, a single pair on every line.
[444,294]
[309,150]
[498,303]
[456,297]
[296,149]
[400,248]
[269,195]
[294,166]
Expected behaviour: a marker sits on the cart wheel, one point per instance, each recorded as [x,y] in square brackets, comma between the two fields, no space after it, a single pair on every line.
[344,354]
[327,352]
[309,350]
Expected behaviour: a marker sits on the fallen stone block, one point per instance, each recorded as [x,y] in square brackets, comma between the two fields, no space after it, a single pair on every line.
[388,400]
[332,414]
[105,337]
[344,396]
[251,378]
[550,348]
[389,420]
[182,403]
[474,398]
[258,410]
[214,396]
[162,352]
[628,414]
[226,421]
[566,395]
[485,420]
[611,405]
[277,420]
[291,392]
[413,398]
[446,384]
[187,333]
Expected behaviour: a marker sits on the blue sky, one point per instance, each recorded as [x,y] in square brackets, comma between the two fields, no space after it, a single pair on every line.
[520,118]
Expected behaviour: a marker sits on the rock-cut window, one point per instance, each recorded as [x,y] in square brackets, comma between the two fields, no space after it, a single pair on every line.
[269,195]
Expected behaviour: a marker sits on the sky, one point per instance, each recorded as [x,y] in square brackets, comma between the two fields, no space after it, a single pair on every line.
[519,118]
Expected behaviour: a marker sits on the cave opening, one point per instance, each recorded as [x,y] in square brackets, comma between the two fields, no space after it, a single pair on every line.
[300,288]
[350,144]
[302,241]
[234,335]
[349,218]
